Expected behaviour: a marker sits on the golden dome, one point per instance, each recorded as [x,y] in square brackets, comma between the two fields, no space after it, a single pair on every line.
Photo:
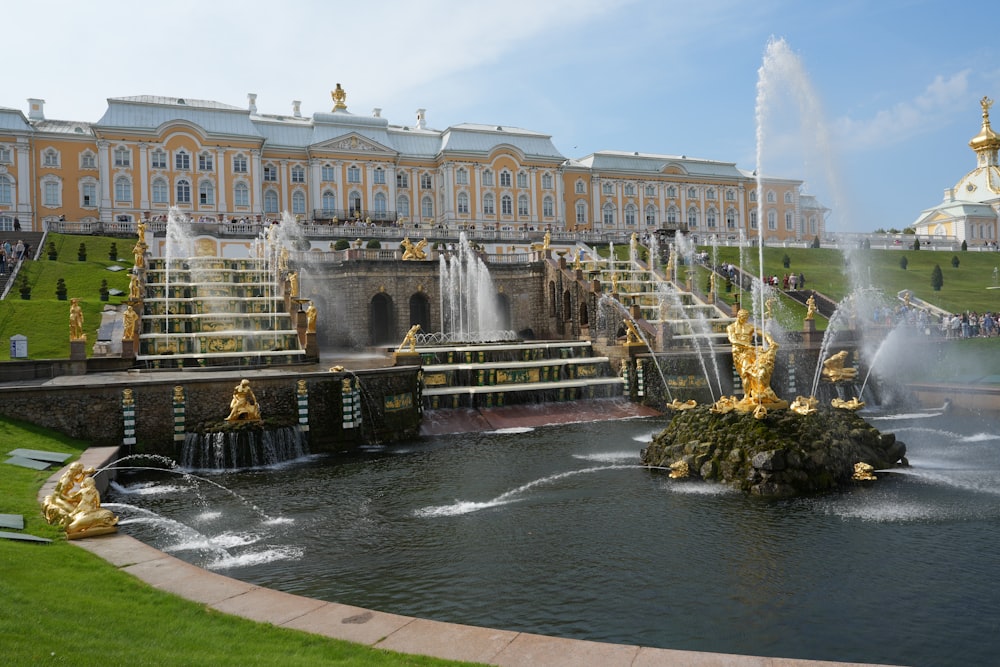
[987,139]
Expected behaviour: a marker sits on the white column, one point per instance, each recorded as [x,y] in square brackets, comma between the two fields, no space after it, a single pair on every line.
[256,181]
[143,176]
[222,182]
[315,189]
[22,201]
[104,174]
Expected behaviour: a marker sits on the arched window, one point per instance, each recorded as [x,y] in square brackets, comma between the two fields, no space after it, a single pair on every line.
[546,181]
[789,221]
[522,179]
[788,197]
[182,162]
[710,218]
[488,177]
[161,191]
[581,213]
[329,201]
[402,205]
[205,162]
[608,213]
[183,191]
[271,202]
[504,179]
[462,176]
[6,190]
[123,189]
[753,219]
[731,216]
[381,205]
[672,215]
[206,193]
[693,217]
[630,215]
[548,207]
[522,206]
[427,207]
[298,174]
[241,194]
[581,187]
[753,195]
[298,202]
[772,220]
[771,197]
[489,206]
[463,203]
[650,216]
[506,205]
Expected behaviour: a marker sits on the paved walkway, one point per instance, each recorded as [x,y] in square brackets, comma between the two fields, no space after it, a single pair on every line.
[392,632]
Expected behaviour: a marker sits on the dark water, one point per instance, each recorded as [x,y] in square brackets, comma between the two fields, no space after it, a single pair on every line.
[559,531]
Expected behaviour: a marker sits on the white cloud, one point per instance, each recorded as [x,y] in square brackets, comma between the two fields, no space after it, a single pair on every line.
[934,107]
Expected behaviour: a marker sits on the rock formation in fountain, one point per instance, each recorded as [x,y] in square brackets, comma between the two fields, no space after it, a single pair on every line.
[784,454]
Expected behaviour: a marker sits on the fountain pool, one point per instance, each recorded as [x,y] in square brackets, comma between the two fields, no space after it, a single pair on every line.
[559,531]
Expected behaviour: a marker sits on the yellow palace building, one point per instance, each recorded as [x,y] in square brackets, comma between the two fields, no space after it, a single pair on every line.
[222,163]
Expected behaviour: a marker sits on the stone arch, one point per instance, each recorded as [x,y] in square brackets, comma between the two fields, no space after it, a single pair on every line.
[567,306]
[503,310]
[381,320]
[420,311]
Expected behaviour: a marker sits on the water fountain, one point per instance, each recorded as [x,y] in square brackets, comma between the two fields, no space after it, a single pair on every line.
[469,308]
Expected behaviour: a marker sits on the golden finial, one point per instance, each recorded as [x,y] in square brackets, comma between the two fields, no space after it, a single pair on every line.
[986,103]
[339,99]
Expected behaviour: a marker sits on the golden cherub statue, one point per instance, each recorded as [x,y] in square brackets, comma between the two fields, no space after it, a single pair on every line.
[811,308]
[414,251]
[78,509]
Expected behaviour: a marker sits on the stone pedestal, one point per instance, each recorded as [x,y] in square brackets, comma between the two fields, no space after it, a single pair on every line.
[301,324]
[809,333]
[312,345]
[406,358]
[129,348]
[78,350]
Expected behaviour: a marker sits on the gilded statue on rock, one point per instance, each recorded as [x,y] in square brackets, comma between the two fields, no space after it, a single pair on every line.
[834,369]
[244,405]
[76,321]
[130,321]
[754,364]
[75,504]
[410,340]
[414,251]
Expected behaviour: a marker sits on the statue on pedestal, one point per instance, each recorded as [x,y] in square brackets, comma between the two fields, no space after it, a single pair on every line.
[243,406]
[76,321]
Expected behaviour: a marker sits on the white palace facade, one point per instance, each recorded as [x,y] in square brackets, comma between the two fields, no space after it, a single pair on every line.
[224,163]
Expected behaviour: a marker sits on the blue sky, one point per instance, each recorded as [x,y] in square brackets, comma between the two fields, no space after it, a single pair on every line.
[892,87]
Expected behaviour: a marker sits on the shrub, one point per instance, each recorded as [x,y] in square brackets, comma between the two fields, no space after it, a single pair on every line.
[916,244]
[786,261]
[373,244]
[815,242]
[954,261]
[81,252]
[903,262]
[104,290]
[61,289]
[113,252]
[342,244]
[53,254]
[937,278]
[965,246]
[24,288]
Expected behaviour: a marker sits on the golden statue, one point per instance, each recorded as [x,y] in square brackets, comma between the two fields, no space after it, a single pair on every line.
[131,320]
[803,405]
[679,405]
[134,288]
[89,518]
[410,339]
[632,335]
[811,308]
[906,299]
[546,240]
[139,254]
[852,404]
[863,472]
[769,308]
[679,470]
[835,371]
[293,283]
[724,405]
[283,259]
[311,318]
[243,406]
[65,497]
[753,364]
[614,282]
[339,98]
[76,321]
[140,229]
[414,251]
[711,283]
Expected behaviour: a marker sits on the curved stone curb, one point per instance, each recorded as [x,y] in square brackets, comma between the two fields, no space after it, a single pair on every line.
[392,632]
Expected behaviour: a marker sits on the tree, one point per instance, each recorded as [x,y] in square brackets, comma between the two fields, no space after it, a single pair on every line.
[954,261]
[113,252]
[916,244]
[61,289]
[81,252]
[786,261]
[342,244]
[903,262]
[937,278]
[815,242]
[965,246]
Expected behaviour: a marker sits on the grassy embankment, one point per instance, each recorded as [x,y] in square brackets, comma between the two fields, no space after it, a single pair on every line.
[63,605]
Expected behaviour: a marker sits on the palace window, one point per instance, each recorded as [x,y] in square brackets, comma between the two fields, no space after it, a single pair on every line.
[353,174]
[241,194]
[710,194]
[506,205]
[298,203]
[607,188]
[710,218]
[609,214]
[205,162]
[488,178]
[52,192]
[730,194]
[270,173]
[672,192]
[87,160]
[772,220]
[581,213]
[546,181]
[504,179]
[630,189]
[650,190]
[731,218]
[403,205]
[329,201]
[548,207]
[206,193]
[650,216]
[183,191]
[426,182]
[328,174]
[123,158]
[158,159]
[788,197]
[463,202]
[378,176]
[581,188]
[771,197]
[240,164]
[753,219]
[692,193]
[522,206]
[161,191]
[298,174]
[630,215]
[381,206]
[182,162]
[271,202]
[427,207]
[789,221]
[692,218]
[489,208]
[123,190]
[402,180]
[50,158]
[6,191]
[672,216]
[753,195]
[462,176]
[522,179]
[88,194]
[5,155]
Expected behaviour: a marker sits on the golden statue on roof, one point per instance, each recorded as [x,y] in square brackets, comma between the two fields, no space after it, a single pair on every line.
[339,99]
[986,103]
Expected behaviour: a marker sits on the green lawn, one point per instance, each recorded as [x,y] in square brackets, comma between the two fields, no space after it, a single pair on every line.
[44,319]
[61,605]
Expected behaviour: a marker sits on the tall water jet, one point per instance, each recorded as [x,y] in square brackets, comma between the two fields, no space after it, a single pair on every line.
[469,306]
